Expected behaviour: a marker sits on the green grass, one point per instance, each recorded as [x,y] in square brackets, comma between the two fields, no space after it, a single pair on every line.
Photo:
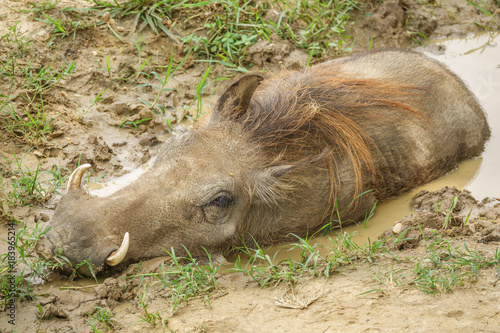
[18,45]
[100,317]
[266,271]
[446,267]
[20,268]
[40,7]
[185,278]
[31,124]
[37,82]
[230,27]
[15,47]
[442,268]
[160,87]
[484,9]
[201,87]
[147,316]
[30,186]
[315,26]
[63,27]
[22,106]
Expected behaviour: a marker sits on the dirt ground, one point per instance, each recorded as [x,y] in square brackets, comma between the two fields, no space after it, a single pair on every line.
[116,133]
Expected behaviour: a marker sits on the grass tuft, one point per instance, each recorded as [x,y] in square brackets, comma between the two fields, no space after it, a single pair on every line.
[31,186]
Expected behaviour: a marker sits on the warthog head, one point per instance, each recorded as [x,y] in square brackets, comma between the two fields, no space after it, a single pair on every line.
[196,196]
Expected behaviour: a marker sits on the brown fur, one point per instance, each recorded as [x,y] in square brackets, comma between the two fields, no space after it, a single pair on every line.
[310,111]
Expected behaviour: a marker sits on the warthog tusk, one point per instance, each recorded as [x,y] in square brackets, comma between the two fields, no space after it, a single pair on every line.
[76,177]
[117,256]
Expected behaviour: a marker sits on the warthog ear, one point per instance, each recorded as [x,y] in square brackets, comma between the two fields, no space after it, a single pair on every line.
[269,185]
[236,99]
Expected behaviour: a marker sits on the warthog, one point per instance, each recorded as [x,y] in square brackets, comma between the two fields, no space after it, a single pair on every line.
[281,155]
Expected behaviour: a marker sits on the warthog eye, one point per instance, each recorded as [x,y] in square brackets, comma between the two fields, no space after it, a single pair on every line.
[222,201]
[215,210]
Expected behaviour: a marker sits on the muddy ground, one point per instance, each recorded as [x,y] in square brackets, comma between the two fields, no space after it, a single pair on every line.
[98,117]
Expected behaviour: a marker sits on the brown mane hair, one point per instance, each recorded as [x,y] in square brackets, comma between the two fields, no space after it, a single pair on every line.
[304,114]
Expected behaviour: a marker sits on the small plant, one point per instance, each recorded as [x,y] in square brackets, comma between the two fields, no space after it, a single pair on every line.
[446,267]
[32,122]
[190,280]
[109,69]
[41,7]
[101,316]
[314,259]
[20,268]
[414,36]
[147,317]
[232,27]
[31,125]
[185,279]
[202,85]
[265,270]
[449,214]
[134,123]
[15,47]
[322,25]
[19,46]
[63,27]
[164,81]
[32,186]
[390,275]
[38,82]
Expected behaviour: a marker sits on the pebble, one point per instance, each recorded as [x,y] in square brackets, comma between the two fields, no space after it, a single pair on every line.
[43,36]
[105,17]
[38,154]
[41,216]
[398,227]
[149,140]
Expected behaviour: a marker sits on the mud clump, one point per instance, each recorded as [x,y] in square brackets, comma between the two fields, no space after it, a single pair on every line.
[388,20]
[269,53]
[114,289]
[447,212]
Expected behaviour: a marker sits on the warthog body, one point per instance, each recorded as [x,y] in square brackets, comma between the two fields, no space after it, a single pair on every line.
[279,156]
